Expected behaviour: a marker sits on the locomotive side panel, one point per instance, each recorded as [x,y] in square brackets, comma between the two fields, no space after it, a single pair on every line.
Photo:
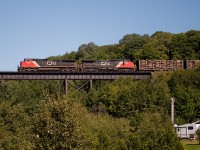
[65,65]
[97,65]
[44,64]
[107,65]
[160,65]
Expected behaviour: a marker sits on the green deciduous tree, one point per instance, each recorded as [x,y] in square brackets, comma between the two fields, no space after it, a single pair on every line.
[123,97]
[86,51]
[132,43]
[56,127]
[185,88]
[15,127]
[154,132]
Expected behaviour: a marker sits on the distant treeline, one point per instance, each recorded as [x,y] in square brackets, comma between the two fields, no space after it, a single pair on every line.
[160,45]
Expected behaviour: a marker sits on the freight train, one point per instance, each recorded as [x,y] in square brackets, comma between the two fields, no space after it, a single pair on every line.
[105,65]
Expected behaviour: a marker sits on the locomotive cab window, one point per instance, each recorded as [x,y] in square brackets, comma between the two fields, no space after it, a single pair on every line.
[27,59]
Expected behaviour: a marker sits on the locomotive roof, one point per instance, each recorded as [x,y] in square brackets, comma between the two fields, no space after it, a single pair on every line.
[89,60]
[33,59]
[68,60]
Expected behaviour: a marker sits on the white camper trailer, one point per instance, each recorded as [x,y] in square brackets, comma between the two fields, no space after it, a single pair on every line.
[187,131]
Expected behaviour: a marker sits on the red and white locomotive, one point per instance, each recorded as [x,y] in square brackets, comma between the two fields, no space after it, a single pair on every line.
[107,65]
[47,65]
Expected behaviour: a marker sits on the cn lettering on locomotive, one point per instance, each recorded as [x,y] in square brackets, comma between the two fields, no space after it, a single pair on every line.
[105,63]
[51,63]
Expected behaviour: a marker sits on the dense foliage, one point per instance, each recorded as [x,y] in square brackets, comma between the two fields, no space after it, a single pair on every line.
[160,45]
[120,114]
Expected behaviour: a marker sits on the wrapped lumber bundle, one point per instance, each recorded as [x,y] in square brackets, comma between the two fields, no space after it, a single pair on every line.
[190,64]
[160,65]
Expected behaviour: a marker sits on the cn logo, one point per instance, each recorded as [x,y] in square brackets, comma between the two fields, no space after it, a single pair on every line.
[105,63]
[51,63]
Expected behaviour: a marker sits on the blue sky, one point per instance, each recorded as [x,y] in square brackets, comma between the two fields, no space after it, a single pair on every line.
[42,28]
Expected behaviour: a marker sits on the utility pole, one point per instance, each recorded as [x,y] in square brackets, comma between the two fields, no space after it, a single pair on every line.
[172,109]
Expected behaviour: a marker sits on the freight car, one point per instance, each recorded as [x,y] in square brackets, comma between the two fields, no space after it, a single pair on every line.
[158,65]
[190,64]
[107,65]
[48,65]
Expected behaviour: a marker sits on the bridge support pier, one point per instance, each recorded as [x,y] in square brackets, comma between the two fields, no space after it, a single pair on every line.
[91,84]
[80,88]
[1,82]
[65,83]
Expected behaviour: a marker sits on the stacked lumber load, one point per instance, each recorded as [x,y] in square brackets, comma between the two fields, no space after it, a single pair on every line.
[160,64]
[190,64]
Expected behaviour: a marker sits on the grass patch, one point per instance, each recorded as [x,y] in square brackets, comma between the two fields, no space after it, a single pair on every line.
[190,145]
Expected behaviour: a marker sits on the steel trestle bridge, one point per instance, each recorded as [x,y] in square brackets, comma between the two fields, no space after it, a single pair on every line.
[65,76]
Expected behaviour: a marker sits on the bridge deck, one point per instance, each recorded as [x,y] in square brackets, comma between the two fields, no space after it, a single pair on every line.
[71,76]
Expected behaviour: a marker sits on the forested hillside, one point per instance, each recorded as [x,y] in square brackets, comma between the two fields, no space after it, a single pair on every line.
[120,114]
[160,45]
